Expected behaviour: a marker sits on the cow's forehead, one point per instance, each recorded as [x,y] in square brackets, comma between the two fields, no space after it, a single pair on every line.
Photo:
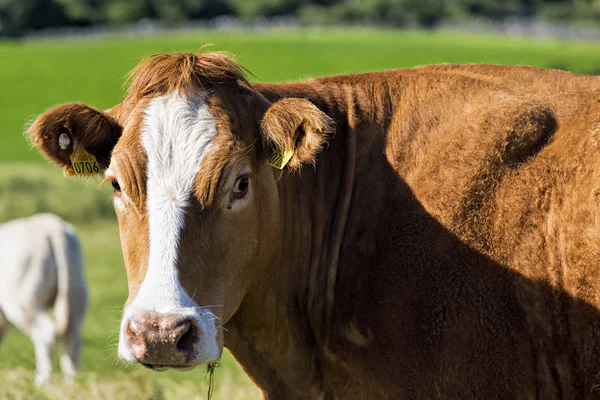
[163,145]
[177,133]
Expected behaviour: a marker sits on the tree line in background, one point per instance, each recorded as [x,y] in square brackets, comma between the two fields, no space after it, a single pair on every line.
[18,17]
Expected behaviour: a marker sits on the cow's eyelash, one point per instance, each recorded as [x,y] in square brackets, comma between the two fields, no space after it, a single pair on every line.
[106,180]
[113,180]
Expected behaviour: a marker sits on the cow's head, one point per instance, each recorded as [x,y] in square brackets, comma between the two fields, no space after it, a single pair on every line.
[198,205]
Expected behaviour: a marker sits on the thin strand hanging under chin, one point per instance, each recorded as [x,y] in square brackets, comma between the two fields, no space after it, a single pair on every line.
[210,370]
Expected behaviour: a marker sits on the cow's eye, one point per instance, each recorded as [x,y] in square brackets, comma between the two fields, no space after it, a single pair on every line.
[116,186]
[241,186]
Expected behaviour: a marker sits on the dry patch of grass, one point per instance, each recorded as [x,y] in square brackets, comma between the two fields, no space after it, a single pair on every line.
[28,188]
[18,384]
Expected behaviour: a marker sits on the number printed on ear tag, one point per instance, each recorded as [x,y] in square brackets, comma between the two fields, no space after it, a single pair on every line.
[278,159]
[84,163]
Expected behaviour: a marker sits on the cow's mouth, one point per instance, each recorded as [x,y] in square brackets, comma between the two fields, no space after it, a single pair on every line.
[165,367]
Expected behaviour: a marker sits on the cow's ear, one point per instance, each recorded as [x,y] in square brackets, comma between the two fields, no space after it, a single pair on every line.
[75,129]
[295,131]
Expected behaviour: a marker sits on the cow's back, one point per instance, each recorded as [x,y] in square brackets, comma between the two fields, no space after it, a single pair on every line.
[29,269]
[469,264]
[507,163]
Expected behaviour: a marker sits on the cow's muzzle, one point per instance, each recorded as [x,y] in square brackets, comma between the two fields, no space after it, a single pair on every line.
[162,341]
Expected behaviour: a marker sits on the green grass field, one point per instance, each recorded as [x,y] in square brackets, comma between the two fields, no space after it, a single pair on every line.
[39,74]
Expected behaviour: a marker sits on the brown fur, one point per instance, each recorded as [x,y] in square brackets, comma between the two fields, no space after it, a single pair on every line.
[445,245]
[166,73]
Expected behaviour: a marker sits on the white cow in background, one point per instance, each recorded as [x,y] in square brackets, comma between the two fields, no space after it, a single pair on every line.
[40,268]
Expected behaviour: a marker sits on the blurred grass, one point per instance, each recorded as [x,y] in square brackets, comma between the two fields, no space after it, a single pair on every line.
[16,384]
[41,73]
[27,188]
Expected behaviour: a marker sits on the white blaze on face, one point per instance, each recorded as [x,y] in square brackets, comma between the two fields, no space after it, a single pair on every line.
[177,133]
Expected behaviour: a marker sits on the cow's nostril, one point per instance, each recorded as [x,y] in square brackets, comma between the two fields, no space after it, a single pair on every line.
[131,330]
[185,344]
[161,339]
[135,339]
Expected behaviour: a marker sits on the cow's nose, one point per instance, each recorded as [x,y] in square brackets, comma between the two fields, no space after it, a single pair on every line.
[161,339]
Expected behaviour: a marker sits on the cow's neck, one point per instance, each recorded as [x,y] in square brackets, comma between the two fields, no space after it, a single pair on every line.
[283,330]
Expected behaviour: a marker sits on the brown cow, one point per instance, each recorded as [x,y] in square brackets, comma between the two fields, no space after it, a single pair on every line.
[444,243]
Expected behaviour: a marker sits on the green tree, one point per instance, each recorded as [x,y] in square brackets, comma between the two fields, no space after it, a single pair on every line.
[19,16]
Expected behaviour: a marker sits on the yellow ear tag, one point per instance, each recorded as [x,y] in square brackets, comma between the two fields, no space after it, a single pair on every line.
[84,164]
[278,159]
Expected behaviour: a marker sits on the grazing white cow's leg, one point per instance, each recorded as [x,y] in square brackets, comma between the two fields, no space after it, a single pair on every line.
[42,334]
[69,360]
[39,326]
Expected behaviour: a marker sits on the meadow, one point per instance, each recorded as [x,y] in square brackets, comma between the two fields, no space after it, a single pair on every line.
[37,74]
